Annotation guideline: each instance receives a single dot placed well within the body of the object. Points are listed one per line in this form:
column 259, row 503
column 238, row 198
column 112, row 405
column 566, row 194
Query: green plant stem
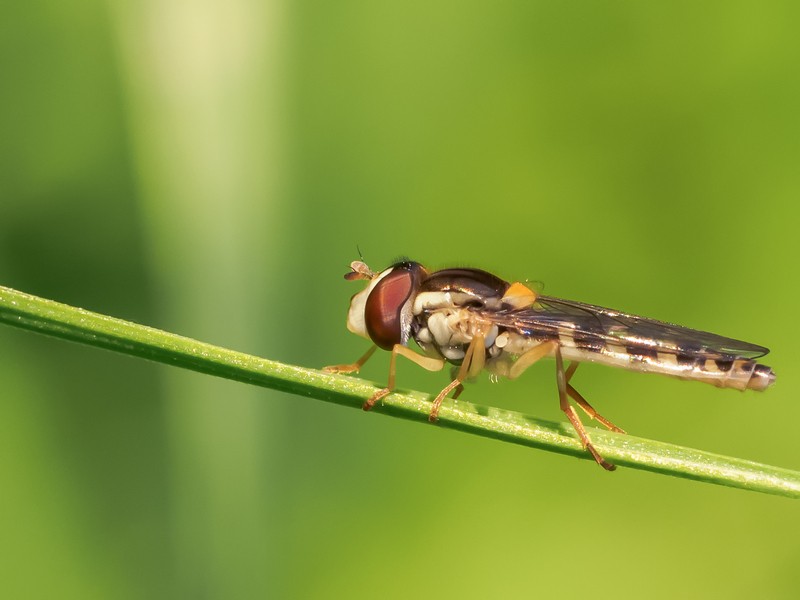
column 78, row 325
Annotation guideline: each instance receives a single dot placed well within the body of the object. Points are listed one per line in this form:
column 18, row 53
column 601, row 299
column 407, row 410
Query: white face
column 356, row 321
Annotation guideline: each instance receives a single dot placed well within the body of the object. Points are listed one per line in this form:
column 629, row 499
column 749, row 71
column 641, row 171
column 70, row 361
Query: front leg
column 426, row 362
column 352, row 367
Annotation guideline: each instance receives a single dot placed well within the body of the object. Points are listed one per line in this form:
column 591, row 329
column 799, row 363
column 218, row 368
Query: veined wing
column 595, row 326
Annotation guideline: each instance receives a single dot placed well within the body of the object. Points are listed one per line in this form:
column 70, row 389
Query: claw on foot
column 341, row 369
column 375, row 398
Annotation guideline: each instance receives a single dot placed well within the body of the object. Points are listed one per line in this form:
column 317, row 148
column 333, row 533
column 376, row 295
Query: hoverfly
column 475, row 320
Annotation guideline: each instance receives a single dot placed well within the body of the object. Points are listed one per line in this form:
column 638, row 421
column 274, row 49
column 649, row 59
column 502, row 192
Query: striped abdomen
column 734, row 372
column 731, row 372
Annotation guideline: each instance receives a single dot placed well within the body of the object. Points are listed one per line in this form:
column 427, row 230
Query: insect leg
column 530, row 357
column 352, row 367
column 426, row 362
column 581, row 401
column 573, row 366
column 460, row 386
column 561, row 379
column 474, row 359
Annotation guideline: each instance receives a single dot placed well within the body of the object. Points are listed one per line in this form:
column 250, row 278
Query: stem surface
column 78, row 325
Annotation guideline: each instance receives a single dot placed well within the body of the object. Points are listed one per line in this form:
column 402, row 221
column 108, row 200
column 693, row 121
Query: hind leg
column 569, row 410
column 581, row 401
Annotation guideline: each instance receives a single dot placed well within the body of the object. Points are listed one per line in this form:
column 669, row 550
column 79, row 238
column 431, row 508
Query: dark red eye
column 383, row 312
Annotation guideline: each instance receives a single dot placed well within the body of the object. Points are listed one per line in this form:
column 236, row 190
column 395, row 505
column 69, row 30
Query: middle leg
column 474, row 359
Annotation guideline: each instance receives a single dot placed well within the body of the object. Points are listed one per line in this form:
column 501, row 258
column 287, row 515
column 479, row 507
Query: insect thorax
column 443, row 326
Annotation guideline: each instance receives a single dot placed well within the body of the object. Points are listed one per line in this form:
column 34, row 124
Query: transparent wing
column 595, row 325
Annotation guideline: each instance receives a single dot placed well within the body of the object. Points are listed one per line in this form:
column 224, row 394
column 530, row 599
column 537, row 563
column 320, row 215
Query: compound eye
column 383, row 312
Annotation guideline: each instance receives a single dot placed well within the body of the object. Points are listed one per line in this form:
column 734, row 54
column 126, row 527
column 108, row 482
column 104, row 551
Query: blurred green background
column 209, row 168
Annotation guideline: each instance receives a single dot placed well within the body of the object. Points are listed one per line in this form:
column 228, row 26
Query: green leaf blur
column 209, row 168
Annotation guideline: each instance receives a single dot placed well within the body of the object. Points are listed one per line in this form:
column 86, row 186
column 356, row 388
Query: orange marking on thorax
column 519, row 295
